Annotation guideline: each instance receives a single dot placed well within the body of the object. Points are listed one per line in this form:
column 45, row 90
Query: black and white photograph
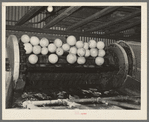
column 77, row 58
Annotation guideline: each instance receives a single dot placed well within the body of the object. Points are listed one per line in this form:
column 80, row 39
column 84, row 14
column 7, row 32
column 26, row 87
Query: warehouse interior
column 113, row 85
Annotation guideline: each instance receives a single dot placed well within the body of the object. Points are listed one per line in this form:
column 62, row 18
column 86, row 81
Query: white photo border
column 71, row 114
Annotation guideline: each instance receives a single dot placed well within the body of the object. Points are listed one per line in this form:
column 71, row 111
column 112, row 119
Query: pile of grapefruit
column 77, row 51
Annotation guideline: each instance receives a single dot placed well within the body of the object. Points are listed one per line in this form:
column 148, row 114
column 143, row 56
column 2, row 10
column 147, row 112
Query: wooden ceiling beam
column 61, row 16
column 50, row 31
column 124, row 27
column 63, row 33
column 130, row 9
column 31, row 13
column 119, row 20
column 97, row 15
column 124, row 8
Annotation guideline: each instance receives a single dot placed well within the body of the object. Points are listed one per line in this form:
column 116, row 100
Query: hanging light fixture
column 50, row 8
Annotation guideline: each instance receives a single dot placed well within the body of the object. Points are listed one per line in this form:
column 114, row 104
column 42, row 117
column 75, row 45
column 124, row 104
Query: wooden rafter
column 130, row 9
column 99, row 14
column 124, row 27
column 124, row 8
column 31, row 13
column 61, row 16
column 137, row 13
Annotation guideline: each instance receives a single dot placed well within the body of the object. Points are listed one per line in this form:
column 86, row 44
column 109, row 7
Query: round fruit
column 25, row 38
column 79, row 44
column 71, row 40
column 59, row 51
column 101, row 53
column 28, row 48
column 81, row 52
column 66, row 47
column 93, row 52
column 100, row 45
column 99, row 61
column 71, row 58
column 53, row 58
column 44, row 42
column 34, row 40
column 87, row 54
column 36, row 49
column 81, row 60
column 33, row 59
column 44, row 51
column 58, row 42
column 92, row 44
column 52, row 48
column 86, row 46
column 73, row 50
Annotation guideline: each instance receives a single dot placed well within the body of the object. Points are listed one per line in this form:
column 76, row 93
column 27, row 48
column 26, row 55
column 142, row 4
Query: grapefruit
column 81, row 60
column 53, row 58
column 34, row 40
column 25, row 38
column 87, row 53
column 93, row 52
column 66, row 47
column 73, row 50
column 79, row 44
column 100, row 45
column 36, row 49
column 59, row 51
column 28, row 48
column 33, row 59
column 71, row 58
column 44, row 42
column 58, row 42
column 99, row 61
column 44, row 51
column 81, row 52
column 52, row 48
column 101, row 53
column 92, row 44
column 71, row 40
column 86, row 46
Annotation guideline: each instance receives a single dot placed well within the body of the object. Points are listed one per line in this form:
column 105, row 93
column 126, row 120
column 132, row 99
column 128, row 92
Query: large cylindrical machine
column 119, row 62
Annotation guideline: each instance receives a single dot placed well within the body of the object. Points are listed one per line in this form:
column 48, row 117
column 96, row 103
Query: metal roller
column 110, row 75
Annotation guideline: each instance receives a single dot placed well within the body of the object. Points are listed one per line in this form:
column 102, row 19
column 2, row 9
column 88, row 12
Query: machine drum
column 43, row 74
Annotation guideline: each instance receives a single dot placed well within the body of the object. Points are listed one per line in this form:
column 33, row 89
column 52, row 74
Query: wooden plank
column 61, row 16
column 99, row 14
column 124, row 27
column 31, row 13
column 137, row 13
